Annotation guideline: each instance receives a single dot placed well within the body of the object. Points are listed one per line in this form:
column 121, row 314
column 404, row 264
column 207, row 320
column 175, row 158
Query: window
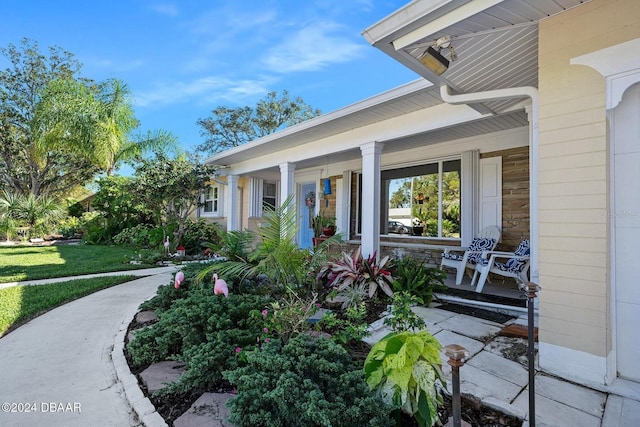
column 262, row 194
column 269, row 194
column 211, row 200
column 425, row 199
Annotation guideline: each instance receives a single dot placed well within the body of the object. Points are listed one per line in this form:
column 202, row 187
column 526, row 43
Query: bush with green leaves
column 136, row 236
column 308, row 382
column 166, row 295
column 200, row 234
column 415, row 277
column 404, row 369
column 194, row 320
column 401, row 317
column 350, row 328
column 69, row 227
column 289, row 315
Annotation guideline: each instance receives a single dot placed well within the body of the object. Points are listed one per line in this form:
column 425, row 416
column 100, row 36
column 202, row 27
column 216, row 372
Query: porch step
column 476, row 296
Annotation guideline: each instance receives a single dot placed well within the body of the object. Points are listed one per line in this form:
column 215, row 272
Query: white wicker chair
column 516, row 264
column 463, row 258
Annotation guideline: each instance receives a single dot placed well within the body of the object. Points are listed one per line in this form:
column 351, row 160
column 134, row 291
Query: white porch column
column 370, row 215
column 233, row 222
column 287, row 175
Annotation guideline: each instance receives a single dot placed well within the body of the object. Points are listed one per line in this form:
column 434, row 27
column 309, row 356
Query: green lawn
column 44, row 262
column 19, row 304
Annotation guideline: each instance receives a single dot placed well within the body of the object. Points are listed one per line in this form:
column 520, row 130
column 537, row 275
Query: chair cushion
column 479, row 244
column 502, row 266
column 449, row 255
column 523, row 249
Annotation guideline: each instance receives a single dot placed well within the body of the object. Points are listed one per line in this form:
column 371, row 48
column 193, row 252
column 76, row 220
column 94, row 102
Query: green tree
column 231, row 127
column 28, row 164
column 119, row 204
column 171, row 187
column 57, row 129
column 112, row 142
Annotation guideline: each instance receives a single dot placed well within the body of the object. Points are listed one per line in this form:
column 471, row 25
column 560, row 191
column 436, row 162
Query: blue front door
column 307, row 212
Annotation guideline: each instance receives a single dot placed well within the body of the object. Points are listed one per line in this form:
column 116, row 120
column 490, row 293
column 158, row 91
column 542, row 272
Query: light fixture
column 434, row 61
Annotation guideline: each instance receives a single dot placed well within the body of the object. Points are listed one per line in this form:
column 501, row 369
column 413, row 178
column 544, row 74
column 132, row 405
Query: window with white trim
column 269, row 194
column 426, row 195
column 263, row 193
column 211, row 200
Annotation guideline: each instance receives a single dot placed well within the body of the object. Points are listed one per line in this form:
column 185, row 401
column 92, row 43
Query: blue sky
column 181, row 59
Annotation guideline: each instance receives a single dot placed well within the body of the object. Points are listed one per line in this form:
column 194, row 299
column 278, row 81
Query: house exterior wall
column 515, row 195
column 511, row 145
column 575, row 325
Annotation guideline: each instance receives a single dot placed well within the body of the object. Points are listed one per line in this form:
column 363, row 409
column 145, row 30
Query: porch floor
column 498, row 291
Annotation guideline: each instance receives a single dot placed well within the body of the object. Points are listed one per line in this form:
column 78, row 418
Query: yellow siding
column 574, row 249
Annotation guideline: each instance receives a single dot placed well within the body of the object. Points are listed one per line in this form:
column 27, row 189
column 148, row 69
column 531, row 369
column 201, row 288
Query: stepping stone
column 146, row 316
column 208, row 411
column 500, row 367
column 472, row 327
column 158, row 375
column 318, row 315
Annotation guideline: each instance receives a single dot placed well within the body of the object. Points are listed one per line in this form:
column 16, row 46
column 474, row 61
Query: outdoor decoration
column 310, row 200
column 220, row 286
column 178, row 280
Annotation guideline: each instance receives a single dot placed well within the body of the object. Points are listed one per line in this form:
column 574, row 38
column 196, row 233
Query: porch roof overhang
column 496, row 42
column 337, row 136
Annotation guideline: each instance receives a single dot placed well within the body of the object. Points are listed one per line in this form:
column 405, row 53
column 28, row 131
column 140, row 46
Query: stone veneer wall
column 515, row 195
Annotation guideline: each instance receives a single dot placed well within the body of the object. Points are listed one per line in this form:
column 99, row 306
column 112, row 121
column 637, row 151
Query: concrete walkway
column 67, row 368
column 57, row 370
column 141, row 272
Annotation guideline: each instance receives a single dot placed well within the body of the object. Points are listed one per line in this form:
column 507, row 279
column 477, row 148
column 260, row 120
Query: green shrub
column 69, row 227
column 418, row 279
column 199, row 234
column 194, row 320
column 308, row 382
column 402, row 318
column 351, row 328
column 404, row 368
column 136, row 236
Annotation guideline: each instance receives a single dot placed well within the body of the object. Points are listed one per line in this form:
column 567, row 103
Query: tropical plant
column 9, row 208
column 45, row 121
column 38, row 214
column 354, row 270
column 415, row 277
column 307, row 382
column 276, row 256
column 404, row 369
column 351, row 328
column 289, row 316
column 171, row 188
column 401, row 317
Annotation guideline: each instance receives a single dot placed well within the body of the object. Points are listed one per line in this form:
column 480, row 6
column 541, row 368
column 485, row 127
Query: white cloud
column 168, row 9
column 208, row 91
column 312, row 48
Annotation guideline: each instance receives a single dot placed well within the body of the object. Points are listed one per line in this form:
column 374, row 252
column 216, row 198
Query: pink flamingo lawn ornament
column 166, row 246
column 179, row 279
column 220, row 286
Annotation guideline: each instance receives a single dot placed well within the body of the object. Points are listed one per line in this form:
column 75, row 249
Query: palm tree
column 277, row 256
column 112, row 143
column 9, row 208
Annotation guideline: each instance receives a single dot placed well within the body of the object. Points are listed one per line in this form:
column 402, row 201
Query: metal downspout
column 515, row 92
